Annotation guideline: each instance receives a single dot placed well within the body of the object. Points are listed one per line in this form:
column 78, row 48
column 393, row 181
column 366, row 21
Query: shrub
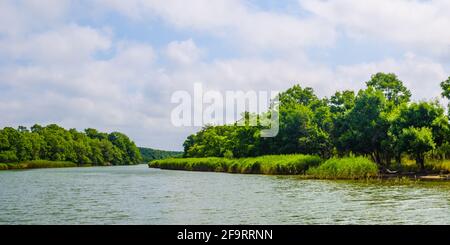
column 3, row 166
column 345, row 168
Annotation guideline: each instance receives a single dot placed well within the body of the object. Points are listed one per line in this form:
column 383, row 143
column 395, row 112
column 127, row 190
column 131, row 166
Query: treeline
column 149, row 154
column 379, row 122
column 55, row 143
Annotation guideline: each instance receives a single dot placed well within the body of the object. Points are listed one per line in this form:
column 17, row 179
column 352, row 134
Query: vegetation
column 378, row 122
column 149, row 154
column 55, row 146
column 275, row 164
column 445, row 85
column 345, row 168
column 37, row 164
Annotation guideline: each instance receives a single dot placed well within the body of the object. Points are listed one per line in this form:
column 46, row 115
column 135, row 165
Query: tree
column 417, row 141
column 372, row 123
column 7, row 150
column 445, row 85
column 94, row 134
column 131, row 154
column 342, row 101
column 424, row 114
column 364, row 127
column 55, row 143
column 392, row 88
column 244, row 141
column 297, row 95
column 188, row 144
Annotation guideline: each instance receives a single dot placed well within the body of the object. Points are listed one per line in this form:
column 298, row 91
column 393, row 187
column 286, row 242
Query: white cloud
column 18, row 17
column 56, row 70
column 251, row 29
column 183, row 52
column 70, row 43
column 411, row 23
column 421, row 75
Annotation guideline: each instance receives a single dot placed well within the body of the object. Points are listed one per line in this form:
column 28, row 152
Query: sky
column 113, row 64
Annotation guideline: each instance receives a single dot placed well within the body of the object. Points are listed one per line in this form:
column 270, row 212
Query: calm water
column 139, row 195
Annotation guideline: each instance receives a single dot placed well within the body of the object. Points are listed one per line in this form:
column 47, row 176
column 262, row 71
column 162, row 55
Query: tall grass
column 3, row 166
column 440, row 166
column 446, row 165
column 273, row 164
column 345, row 168
column 37, row 164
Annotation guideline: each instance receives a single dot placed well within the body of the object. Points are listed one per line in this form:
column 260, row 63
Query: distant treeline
column 55, row 143
column 149, row 154
column 379, row 122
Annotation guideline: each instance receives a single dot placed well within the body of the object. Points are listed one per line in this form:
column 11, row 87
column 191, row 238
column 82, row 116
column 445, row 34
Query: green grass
column 273, row 164
column 438, row 165
column 445, row 165
column 3, row 166
column 37, row 164
column 345, row 168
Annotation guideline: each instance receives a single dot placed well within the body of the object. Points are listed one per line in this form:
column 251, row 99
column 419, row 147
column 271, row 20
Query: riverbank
column 50, row 164
column 37, row 164
column 305, row 166
column 274, row 164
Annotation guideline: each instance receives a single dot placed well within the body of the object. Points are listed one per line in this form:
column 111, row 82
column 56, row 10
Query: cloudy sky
column 114, row 64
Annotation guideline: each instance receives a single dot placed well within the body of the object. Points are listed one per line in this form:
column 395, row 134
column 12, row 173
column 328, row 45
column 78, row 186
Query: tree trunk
column 378, row 159
column 421, row 162
column 398, row 160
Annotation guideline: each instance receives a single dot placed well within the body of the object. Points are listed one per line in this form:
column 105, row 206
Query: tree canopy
column 55, row 143
column 378, row 121
column 149, row 154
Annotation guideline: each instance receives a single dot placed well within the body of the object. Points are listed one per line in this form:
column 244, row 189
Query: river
column 139, row 195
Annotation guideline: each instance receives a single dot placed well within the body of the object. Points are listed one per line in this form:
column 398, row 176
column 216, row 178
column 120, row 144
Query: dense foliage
column 149, row 154
column 275, row 164
column 379, row 122
column 55, row 143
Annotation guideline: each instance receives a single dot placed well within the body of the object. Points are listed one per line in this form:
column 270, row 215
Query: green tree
column 130, row 152
column 298, row 95
column 7, row 149
column 94, row 134
column 372, row 123
column 53, row 142
column 392, row 88
column 424, row 114
column 417, row 141
column 342, row 101
column 445, row 85
column 365, row 127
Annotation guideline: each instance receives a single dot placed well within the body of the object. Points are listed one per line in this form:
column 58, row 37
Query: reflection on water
column 139, row 195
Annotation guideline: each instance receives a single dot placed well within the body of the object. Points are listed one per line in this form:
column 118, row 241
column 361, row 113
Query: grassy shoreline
column 307, row 166
column 304, row 166
column 345, row 168
column 37, row 164
column 272, row 164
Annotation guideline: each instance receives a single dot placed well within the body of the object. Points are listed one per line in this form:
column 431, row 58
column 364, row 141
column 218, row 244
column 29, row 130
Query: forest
column 56, row 144
column 149, row 154
column 379, row 122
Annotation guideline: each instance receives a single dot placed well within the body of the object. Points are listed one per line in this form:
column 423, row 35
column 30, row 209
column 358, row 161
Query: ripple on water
column 139, row 195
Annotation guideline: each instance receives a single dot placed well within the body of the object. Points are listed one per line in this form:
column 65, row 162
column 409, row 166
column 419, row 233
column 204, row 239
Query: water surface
column 139, row 195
